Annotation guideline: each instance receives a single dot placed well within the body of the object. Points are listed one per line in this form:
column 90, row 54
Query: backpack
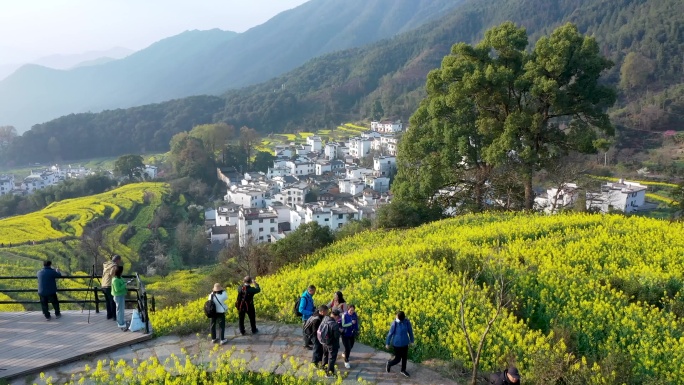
column 296, row 307
column 210, row 307
column 325, row 334
column 240, row 302
column 308, row 328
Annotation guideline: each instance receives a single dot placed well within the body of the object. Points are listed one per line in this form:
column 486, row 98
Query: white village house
column 556, row 199
column 623, row 196
column 6, row 184
column 387, row 127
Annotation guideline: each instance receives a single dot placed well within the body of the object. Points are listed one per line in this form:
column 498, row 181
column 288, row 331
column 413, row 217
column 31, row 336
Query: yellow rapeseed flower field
column 588, row 291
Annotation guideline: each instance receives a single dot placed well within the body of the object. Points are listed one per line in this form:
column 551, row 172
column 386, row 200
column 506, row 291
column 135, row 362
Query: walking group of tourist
column 323, row 326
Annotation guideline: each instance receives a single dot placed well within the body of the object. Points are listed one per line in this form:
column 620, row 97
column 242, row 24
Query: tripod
column 90, row 288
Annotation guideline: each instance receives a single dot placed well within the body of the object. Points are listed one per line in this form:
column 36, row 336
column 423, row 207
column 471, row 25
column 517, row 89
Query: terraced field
column 341, row 132
column 53, row 233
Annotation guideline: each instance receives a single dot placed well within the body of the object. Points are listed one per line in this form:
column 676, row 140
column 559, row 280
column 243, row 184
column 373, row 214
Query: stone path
column 274, row 345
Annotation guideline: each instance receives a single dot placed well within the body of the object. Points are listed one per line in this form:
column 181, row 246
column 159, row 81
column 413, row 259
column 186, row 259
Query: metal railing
column 141, row 300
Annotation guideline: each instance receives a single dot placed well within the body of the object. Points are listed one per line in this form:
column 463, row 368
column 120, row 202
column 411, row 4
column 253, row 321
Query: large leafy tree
column 131, row 166
column 190, row 158
column 213, row 136
column 262, row 161
column 496, row 104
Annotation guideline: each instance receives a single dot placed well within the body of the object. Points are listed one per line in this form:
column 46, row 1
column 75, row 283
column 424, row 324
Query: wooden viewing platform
column 30, row 344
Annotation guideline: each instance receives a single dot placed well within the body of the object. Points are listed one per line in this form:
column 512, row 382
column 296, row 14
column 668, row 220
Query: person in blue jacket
column 307, row 308
column 47, row 289
column 399, row 337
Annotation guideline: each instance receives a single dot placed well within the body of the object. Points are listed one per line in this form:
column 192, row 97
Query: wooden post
column 97, row 300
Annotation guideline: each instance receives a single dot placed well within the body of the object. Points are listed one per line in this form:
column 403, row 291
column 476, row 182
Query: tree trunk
column 529, row 192
column 476, row 364
column 478, row 197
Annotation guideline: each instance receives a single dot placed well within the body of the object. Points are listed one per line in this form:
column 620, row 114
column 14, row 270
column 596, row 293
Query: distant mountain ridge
column 64, row 62
column 69, row 61
column 209, row 62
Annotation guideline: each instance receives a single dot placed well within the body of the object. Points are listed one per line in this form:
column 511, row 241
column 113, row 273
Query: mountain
column 63, row 62
column 7, row 69
column 94, row 62
column 209, row 62
column 69, row 61
column 346, row 85
column 36, row 92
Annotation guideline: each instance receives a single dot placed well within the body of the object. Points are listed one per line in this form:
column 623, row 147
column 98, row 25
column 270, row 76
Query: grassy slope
column 595, row 280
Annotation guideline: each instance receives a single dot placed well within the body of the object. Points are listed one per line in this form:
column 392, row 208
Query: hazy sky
column 34, row 28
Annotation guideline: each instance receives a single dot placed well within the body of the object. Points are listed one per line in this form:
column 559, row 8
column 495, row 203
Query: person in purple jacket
column 399, row 337
column 350, row 330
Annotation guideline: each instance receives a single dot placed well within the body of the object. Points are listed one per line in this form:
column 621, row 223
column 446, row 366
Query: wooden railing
column 141, row 300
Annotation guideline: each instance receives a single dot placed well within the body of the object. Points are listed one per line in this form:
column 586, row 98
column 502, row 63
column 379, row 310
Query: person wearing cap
column 219, row 296
column 245, row 304
column 108, row 269
column 508, row 376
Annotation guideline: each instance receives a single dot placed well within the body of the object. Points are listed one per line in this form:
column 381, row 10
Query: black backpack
column 309, row 328
column 296, row 307
column 325, row 333
column 241, row 301
column 210, row 307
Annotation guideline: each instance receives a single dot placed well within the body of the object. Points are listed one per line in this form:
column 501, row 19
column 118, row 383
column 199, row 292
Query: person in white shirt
column 219, row 296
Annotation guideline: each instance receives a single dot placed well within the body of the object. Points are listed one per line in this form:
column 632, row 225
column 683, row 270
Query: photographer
column 108, row 270
column 245, row 304
column 47, row 289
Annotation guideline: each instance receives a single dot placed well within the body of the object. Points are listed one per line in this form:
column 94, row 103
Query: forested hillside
column 387, row 78
column 346, row 85
column 209, row 62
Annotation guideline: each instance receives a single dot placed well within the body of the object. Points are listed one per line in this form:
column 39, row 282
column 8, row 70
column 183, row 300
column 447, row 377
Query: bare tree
column 252, row 259
column 160, row 260
column 93, row 244
column 500, row 293
column 565, row 175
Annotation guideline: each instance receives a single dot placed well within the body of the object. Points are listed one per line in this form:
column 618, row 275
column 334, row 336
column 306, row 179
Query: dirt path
column 274, row 345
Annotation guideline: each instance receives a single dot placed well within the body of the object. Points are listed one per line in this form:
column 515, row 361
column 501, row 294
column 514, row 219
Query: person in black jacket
column 330, row 350
column 508, row 376
column 310, row 329
column 47, row 289
column 245, row 304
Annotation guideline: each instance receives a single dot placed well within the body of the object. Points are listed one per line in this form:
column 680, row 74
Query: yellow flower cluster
column 220, row 368
column 660, row 198
column 585, row 288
